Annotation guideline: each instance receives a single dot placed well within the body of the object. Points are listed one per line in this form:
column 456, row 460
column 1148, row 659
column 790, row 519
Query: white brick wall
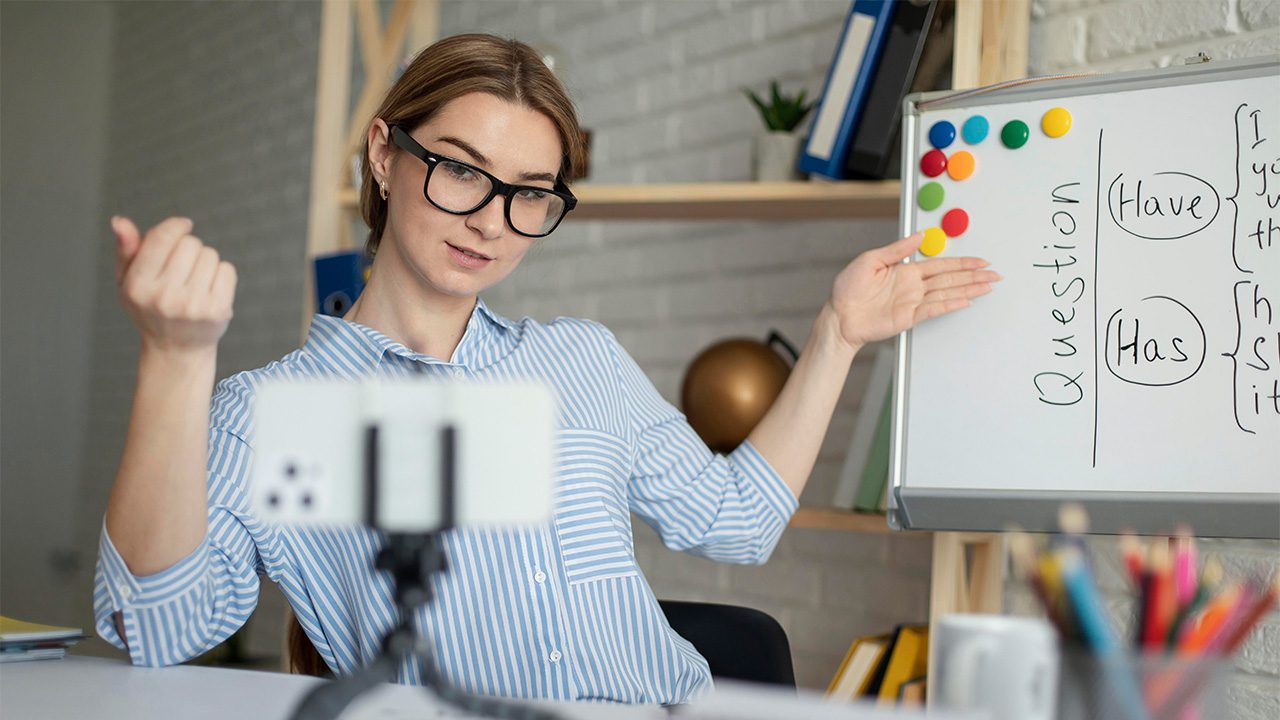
column 211, row 112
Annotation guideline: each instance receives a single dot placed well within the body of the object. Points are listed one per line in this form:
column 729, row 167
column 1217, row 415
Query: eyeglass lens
column 457, row 188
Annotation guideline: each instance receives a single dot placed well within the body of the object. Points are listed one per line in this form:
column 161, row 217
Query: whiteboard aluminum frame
column 1228, row 515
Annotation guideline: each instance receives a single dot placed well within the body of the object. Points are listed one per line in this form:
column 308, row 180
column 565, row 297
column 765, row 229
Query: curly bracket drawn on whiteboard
column 1255, row 375
column 1256, row 228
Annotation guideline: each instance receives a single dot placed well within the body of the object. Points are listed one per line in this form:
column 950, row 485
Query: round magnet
column 975, row 129
column 960, row 165
column 942, row 134
column 935, row 241
column 1056, row 122
column 933, row 163
column 1015, row 134
column 955, row 222
column 930, row 196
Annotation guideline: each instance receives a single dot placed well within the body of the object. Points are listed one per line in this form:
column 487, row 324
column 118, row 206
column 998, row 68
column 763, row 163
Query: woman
column 560, row 612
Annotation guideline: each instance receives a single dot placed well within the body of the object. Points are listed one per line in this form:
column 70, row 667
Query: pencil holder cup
column 1141, row 687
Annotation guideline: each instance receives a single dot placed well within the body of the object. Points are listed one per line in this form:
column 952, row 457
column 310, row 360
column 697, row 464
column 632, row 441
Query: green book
column 875, row 473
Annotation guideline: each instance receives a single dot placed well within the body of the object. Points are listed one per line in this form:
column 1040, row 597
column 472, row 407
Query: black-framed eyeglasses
column 460, row 188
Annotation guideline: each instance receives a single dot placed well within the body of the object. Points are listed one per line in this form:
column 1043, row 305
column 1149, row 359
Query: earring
column 383, row 190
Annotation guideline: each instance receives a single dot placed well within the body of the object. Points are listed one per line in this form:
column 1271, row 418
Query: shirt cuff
column 774, row 490
column 129, row 591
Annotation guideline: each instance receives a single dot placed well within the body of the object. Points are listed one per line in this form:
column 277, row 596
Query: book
column 845, row 90
column 874, row 480
column 910, row 659
column 21, row 632
column 854, row 675
column 21, row 640
column 913, row 692
column 876, row 136
column 864, row 427
column 19, row 655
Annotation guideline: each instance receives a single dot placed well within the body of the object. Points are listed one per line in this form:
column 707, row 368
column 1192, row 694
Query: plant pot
column 776, row 156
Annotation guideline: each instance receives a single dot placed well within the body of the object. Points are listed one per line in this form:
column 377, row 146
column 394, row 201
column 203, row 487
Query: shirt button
column 539, row 577
column 459, row 373
column 555, row 656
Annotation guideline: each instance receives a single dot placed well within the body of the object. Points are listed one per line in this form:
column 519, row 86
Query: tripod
column 412, row 559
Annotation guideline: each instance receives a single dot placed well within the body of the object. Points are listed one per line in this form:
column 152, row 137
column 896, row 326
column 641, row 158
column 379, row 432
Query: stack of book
column 21, row 640
column 889, row 668
column 887, row 49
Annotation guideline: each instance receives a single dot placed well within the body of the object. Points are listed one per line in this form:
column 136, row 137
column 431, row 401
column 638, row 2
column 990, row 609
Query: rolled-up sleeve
column 191, row 606
column 731, row 508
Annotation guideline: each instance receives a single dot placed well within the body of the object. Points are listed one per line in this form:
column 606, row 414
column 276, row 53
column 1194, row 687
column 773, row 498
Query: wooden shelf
column 818, row 518
column 729, row 200
column 738, row 200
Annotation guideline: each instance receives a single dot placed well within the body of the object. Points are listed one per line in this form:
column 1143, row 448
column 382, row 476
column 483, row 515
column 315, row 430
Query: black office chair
column 739, row 643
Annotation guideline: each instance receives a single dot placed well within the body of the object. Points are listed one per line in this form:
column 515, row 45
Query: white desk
column 87, row 687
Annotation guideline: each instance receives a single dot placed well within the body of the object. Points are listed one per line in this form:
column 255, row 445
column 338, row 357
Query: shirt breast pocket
column 593, row 525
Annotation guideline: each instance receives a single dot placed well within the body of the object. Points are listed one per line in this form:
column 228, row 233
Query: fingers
column 937, row 266
column 966, row 292
column 127, row 242
column 157, row 246
column 224, row 286
column 203, row 269
column 896, row 252
column 960, row 278
column 182, row 259
column 929, row 310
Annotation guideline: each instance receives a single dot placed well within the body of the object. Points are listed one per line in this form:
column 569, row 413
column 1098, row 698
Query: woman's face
column 424, row 244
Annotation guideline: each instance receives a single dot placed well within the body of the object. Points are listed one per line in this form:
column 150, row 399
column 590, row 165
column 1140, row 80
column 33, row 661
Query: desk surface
column 112, row 689
column 88, row 687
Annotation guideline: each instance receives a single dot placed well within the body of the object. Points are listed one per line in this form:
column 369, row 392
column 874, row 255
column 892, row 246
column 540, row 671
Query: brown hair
column 303, row 656
column 462, row 64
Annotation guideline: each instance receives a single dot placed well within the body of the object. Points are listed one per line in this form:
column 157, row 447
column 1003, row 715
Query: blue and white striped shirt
column 561, row 611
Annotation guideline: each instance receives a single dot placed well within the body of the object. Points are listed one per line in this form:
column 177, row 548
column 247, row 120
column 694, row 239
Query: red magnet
column 933, row 163
column 955, row 222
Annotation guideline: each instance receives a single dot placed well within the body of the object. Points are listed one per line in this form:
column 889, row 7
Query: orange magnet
column 960, row 165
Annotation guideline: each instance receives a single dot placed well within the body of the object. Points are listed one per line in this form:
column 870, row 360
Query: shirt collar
column 354, row 349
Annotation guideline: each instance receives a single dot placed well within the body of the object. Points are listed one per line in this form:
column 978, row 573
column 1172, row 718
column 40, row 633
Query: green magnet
column 1015, row 134
column 930, row 196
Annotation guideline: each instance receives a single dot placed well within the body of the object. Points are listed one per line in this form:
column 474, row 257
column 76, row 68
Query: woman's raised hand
column 177, row 290
column 877, row 296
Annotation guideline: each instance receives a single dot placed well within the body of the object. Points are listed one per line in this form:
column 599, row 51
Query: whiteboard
column 1130, row 358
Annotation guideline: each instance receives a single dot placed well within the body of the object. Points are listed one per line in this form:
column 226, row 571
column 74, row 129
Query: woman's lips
column 468, row 261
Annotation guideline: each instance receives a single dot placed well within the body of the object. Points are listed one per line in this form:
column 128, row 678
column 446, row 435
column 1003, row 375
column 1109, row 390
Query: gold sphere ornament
column 730, row 386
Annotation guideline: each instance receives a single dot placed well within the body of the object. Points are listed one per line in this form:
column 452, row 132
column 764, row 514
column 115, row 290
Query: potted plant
column 777, row 150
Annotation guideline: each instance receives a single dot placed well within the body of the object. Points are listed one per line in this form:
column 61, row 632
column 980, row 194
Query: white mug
column 1005, row 666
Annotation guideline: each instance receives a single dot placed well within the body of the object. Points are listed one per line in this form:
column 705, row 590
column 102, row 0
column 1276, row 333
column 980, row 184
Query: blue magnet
column 975, row 129
column 942, row 134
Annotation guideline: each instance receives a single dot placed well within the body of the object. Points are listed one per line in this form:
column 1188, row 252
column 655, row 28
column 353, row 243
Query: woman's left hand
column 878, row 296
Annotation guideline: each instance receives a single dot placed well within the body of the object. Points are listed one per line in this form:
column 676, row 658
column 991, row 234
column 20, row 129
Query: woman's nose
column 490, row 220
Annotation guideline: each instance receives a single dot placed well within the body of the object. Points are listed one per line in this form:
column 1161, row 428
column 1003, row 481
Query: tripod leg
column 327, row 700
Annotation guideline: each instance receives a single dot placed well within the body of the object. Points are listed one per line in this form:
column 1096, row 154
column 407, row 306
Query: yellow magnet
column 935, row 241
column 960, row 165
column 1056, row 122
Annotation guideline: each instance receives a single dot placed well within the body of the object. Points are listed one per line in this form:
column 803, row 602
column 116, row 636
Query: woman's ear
column 381, row 151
